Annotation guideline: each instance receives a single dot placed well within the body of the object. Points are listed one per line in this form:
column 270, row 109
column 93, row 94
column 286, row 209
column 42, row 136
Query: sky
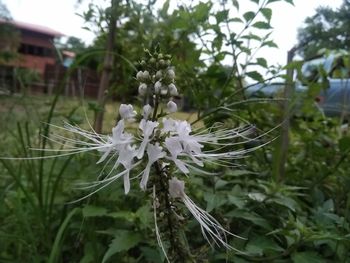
column 61, row 15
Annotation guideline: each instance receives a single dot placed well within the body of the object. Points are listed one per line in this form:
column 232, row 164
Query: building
column 32, row 51
column 36, row 46
column 36, row 64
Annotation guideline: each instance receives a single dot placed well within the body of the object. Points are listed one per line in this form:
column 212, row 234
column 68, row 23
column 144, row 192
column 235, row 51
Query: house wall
column 36, row 51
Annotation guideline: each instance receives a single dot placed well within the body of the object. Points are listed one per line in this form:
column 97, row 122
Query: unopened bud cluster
column 158, row 78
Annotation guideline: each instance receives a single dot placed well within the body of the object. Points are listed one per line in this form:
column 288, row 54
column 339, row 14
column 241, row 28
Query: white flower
column 126, row 157
column 115, row 142
column 127, row 112
column 147, row 127
column 171, row 106
column 175, row 148
column 210, row 227
column 154, row 152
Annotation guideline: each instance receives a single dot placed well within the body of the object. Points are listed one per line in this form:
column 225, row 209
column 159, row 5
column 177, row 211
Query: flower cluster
column 160, row 142
column 170, row 141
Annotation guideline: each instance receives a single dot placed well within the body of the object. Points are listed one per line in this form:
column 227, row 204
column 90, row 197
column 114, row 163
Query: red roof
column 35, row 28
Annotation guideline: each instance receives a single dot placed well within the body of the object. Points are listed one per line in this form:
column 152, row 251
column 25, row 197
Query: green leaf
column 240, row 172
column 262, row 62
column 214, row 201
column 236, row 200
column 235, row 3
column 221, row 16
column 145, row 216
column 290, row 2
column 151, row 255
column 255, row 1
column 267, row 13
column 252, row 36
column 285, row 201
column 248, row 16
column 252, row 217
column 57, row 245
column 91, row 211
column 236, row 19
column 164, row 11
column 201, row 12
column 270, row 44
column 344, row 144
column 262, row 245
column 307, row 257
column 255, row 76
column 123, row 241
column 262, row 25
column 220, row 183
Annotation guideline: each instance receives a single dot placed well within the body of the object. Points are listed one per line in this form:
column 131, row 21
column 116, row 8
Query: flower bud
column 171, row 106
column 162, row 63
column 152, row 60
column 164, row 90
column 176, row 188
column 171, row 74
column 139, row 76
column 147, row 110
column 127, row 111
column 157, row 87
column 173, row 90
column 159, row 74
column 146, row 75
column 142, row 89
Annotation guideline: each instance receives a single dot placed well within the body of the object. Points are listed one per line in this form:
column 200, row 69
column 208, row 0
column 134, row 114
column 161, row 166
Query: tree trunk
column 107, row 69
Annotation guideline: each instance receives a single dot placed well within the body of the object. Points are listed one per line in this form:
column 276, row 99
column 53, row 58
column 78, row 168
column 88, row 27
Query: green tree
column 9, row 36
column 327, row 29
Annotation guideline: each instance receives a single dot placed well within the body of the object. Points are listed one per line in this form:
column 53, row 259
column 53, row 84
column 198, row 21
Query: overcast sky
column 61, row 16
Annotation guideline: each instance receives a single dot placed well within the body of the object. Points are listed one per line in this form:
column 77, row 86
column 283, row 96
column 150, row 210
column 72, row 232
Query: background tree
column 327, row 29
column 9, row 36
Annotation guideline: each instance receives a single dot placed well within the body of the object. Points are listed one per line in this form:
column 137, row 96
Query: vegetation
column 327, row 29
column 301, row 217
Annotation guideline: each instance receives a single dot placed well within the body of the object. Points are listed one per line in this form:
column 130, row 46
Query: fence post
column 279, row 167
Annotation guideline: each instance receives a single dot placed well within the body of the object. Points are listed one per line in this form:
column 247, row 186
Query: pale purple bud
column 147, row 110
column 171, row 74
column 142, row 89
column 139, row 76
column 176, row 188
column 159, row 74
column 171, row 106
column 157, row 87
column 173, row 90
column 164, row 90
column 146, row 75
column 127, row 111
